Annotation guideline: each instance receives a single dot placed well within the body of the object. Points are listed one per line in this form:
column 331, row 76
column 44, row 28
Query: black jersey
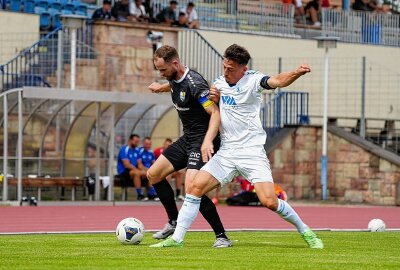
column 190, row 98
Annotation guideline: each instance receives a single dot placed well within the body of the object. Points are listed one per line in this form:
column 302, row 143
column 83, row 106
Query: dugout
column 62, row 133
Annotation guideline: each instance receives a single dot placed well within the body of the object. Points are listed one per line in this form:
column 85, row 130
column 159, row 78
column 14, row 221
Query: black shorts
column 127, row 181
column 125, row 178
column 183, row 154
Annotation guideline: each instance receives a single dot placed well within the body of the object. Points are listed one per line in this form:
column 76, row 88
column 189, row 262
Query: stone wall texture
column 122, row 59
column 354, row 174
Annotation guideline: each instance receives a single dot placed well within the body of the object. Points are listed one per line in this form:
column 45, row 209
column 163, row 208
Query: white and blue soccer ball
column 376, row 225
column 130, row 231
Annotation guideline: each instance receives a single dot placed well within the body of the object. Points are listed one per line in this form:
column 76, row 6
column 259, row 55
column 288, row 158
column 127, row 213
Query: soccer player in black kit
column 200, row 119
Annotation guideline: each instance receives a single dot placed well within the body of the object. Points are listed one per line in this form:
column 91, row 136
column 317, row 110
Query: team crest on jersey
column 182, row 96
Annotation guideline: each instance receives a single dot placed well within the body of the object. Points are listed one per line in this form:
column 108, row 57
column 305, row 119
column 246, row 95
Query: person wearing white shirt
column 191, row 15
column 137, row 10
column 242, row 151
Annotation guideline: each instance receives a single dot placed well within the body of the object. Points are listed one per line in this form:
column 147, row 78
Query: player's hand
column 207, row 150
column 155, row 87
column 303, row 69
column 214, row 94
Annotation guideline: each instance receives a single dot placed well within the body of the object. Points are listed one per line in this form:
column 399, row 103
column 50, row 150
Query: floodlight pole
column 324, row 158
column 326, row 43
column 111, row 154
column 19, row 148
column 5, row 148
column 73, row 23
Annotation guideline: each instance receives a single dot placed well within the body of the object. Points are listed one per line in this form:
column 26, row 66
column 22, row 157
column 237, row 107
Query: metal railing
column 37, row 65
column 240, row 15
column 278, row 19
column 362, row 27
column 199, row 55
column 28, row 68
column 384, row 133
column 285, row 109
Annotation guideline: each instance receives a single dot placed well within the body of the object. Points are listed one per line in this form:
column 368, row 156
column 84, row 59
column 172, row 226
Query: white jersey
column 240, row 111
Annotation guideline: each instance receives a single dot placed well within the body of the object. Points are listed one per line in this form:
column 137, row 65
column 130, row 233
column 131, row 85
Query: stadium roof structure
column 47, row 131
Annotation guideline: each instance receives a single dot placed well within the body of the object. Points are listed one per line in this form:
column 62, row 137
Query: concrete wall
column 382, row 82
column 17, row 31
column 354, row 174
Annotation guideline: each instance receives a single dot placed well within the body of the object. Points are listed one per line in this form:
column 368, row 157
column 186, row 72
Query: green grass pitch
column 252, row 250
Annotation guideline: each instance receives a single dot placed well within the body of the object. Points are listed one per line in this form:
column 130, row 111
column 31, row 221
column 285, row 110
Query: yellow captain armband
column 207, row 104
column 204, row 101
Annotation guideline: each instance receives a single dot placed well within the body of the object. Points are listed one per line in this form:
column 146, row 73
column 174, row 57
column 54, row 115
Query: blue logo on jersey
column 227, row 100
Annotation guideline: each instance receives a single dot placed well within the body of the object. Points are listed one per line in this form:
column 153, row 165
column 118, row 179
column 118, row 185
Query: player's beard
column 173, row 76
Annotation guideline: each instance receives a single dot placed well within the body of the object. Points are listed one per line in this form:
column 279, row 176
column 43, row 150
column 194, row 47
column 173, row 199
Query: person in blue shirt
column 146, row 158
column 127, row 165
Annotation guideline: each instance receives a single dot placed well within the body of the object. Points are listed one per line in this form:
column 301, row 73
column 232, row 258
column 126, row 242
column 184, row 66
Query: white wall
column 383, row 71
column 17, row 31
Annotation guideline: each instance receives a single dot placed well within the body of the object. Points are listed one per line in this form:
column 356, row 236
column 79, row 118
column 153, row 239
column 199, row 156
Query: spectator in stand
column 298, row 9
column 120, row 11
column 148, row 6
column 363, row 5
column 191, row 16
column 325, row 4
column 181, row 22
column 146, row 158
column 158, row 151
column 167, row 15
column 377, row 5
column 103, row 13
column 312, row 10
column 137, row 10
column 179, row 176
column 127, row 164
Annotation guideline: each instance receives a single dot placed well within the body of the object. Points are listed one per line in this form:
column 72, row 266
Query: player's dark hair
column 168, row 140
column 173, row 2
column 133, row 136
column 238, row 54
column 146, row 138
column 191, row 4
column 167, row 53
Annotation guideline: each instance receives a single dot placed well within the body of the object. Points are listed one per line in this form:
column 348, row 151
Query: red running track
column 105, row 218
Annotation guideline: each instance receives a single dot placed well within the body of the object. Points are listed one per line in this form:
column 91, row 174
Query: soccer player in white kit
column 242, row 145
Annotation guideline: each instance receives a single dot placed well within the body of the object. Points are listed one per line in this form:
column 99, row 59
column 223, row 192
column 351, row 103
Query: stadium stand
column 29, row 6
column 15, row 5
column 54, row 8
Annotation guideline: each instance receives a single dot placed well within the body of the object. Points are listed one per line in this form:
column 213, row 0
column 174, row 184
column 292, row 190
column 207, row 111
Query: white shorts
column 251, row 162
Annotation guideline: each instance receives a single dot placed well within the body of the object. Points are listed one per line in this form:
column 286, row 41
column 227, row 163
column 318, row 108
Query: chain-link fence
column 382, row 95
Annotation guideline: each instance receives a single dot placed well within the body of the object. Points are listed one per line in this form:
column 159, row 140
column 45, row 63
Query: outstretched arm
column 207, row 148
column 159, row 88
column 287, row 78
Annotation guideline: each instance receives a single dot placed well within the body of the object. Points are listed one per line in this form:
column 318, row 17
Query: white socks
column 187, row 214
column 288, row 214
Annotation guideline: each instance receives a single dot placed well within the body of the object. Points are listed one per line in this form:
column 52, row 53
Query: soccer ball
column 130, row 231
column 376, row 225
